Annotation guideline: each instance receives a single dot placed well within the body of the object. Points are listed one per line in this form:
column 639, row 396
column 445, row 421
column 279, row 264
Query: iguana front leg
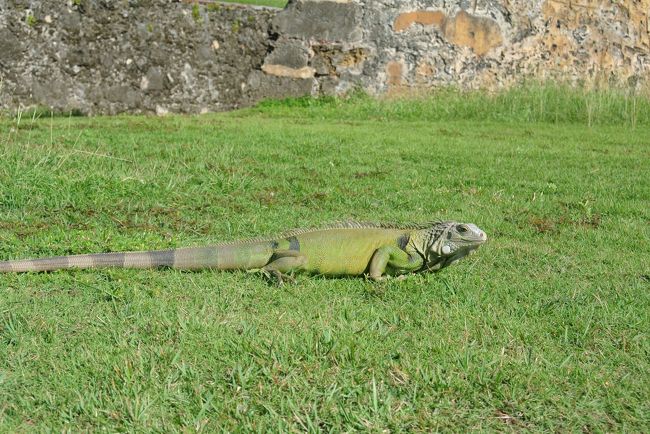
column 393, row 257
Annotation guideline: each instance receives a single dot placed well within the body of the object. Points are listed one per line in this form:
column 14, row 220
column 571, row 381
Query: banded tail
column 220, row 257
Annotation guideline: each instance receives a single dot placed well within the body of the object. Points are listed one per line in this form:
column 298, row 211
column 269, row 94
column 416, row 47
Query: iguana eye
column 462, row 229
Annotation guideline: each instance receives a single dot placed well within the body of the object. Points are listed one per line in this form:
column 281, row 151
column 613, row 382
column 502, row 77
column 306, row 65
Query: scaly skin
column 342, row 249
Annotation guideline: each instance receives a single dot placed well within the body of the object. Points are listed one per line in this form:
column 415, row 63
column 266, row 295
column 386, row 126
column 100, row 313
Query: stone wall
column 397, row 45
column 110, row 56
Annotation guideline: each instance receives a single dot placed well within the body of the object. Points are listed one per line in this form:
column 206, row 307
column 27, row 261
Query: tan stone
column 395, row 71
column 426, row 18
column 285, row 71
column 478, row 33
column 423, row 72
column 612, row 44
column 353, row 58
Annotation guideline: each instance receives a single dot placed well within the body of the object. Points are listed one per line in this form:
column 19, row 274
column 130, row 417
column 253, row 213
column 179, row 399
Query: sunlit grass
column 546, row 328
column 532, row 103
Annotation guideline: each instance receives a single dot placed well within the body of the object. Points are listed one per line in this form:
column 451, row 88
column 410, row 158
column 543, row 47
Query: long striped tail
column 220, row 257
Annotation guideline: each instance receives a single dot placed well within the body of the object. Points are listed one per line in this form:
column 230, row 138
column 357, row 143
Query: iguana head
column 446, row 242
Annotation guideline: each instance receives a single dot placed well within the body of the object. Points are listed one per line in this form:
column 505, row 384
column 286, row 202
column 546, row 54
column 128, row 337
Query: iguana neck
column 427, row 243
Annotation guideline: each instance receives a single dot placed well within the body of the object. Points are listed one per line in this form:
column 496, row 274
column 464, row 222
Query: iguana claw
column 387, row 277
column 274, row 276
column 281, row 278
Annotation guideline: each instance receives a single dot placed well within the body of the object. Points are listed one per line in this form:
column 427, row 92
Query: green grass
column 529, row 103
column 545, row 328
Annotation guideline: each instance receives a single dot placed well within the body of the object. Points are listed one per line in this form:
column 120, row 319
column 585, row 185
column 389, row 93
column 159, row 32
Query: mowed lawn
column 545, row 328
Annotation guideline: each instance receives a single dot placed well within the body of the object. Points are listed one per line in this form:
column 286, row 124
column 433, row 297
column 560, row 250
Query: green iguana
column 350, row 248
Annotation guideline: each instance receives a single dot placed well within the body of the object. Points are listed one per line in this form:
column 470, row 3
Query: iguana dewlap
column 350, row 248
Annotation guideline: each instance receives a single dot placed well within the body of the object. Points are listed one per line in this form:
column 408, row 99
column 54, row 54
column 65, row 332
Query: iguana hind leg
column 284, row 262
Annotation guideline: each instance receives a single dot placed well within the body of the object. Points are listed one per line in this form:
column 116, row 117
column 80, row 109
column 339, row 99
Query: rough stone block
column 351, row 61
column 334, row 59
column 481, row 34
column 329, row 85
column 425, row 18
column 153, row 81
column 290, row 53
column 478, row 33
column 322, row 64
column 261, row 85
column 424, row 71
column 395, row 70
column 285, row 71
column 10, row 45
column 321, row 21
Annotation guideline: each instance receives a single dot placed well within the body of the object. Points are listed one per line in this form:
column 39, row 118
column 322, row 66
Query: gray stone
column 70, row 22
column 10, row 45
column 112, row 56
column 329, row 85
column 122, row 94
column 322, row 64
column 320, row 21
column 268, row 86
column 49, row 93
column 289, row 53
column 153, row 81
column 205, row 54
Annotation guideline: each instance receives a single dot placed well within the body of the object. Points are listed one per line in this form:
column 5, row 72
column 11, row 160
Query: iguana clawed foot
column 274, row 276
column 279, row 277
column 387, row 277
